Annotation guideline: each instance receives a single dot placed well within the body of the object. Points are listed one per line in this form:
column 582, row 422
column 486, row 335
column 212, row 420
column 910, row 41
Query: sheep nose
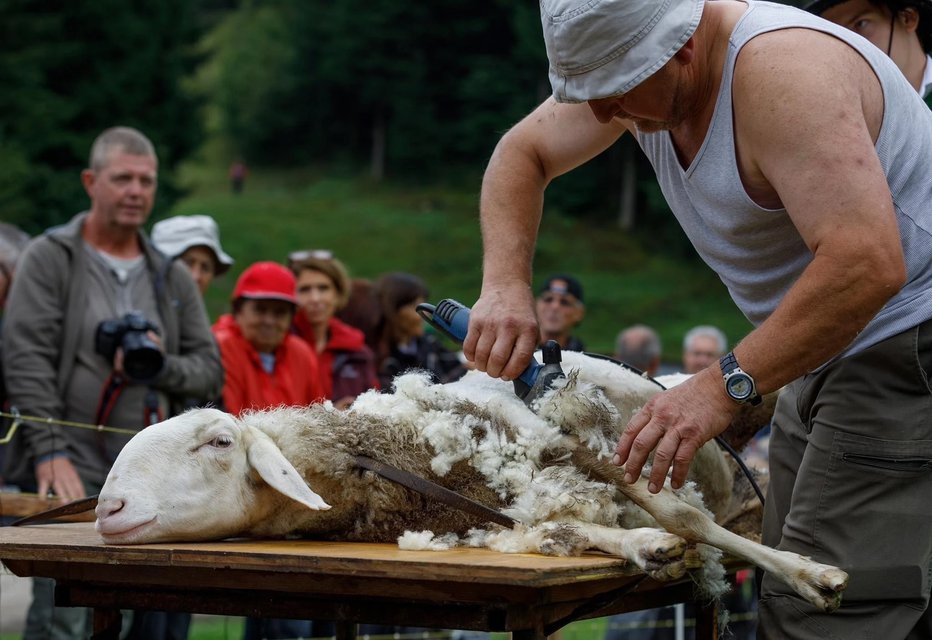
column 108, row 506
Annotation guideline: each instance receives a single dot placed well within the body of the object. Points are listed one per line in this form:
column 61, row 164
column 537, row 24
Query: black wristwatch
column 739, row 385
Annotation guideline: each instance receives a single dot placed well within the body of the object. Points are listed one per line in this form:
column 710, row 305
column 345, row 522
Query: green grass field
column 433, row 231
column 232, row 629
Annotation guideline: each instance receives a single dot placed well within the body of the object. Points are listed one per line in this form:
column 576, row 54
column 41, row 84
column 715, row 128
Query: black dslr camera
column 142, row 358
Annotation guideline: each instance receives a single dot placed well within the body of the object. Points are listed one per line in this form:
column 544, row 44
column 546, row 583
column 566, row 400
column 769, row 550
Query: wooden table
column 530, row 595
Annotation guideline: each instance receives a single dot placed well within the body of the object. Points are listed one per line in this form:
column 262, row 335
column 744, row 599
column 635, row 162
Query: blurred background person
column 639, row 346
column 702, row 346
column 346, row 363
column 237, row 174
column 399, row 339
column 12, row 242
column 101, row 329
column 560, row 309
column 900, row 28
column 362, row 308
column 195, row 240
column 265, row 364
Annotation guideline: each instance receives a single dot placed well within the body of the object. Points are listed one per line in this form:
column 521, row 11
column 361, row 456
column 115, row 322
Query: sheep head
column 201, row 475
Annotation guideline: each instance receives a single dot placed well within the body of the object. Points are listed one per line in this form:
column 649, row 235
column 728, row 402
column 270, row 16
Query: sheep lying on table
column 206, row 475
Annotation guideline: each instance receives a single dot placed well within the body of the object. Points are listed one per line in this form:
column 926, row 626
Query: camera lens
column 142, row 358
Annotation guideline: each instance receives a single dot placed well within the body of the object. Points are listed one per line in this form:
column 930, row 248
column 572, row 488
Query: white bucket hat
column 603, row 48
column 173, row 236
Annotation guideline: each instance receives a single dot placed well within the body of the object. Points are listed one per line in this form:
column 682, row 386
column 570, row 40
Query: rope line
column 19, row 419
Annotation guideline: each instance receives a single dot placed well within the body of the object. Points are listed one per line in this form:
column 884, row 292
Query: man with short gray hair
column 101, row 329
column 795, row 155
column 703, row 346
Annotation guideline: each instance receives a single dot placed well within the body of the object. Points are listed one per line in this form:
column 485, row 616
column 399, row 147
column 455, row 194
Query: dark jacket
column 427, row 354
column 41, row 330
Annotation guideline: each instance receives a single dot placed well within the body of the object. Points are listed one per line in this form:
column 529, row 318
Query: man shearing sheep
column 796, row 157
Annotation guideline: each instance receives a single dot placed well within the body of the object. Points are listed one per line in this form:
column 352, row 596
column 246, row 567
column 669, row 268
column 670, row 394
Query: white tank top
column 757, row 252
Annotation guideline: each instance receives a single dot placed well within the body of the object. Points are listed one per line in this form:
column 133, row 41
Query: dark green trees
column 71, row 69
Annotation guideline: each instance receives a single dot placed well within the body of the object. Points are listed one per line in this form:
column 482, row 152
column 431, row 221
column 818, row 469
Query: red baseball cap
column 266, row 281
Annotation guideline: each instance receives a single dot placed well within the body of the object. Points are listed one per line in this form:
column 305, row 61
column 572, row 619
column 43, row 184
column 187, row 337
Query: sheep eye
column 221, row 442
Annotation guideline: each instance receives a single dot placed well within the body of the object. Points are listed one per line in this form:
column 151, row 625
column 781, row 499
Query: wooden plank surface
column 461, row 588
column 81, row 543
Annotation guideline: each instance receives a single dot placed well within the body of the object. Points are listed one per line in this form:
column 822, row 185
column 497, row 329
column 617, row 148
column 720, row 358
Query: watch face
column 740, row 386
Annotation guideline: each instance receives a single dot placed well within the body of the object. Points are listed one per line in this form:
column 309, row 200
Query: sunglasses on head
column 309, row 254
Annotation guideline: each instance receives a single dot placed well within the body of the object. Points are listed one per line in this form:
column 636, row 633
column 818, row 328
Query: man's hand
column 503, row 330
column 118, row 355
column 674, row 424
column 59, row 475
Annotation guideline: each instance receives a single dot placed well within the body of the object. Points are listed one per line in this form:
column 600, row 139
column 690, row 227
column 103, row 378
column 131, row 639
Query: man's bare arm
column 550, row 141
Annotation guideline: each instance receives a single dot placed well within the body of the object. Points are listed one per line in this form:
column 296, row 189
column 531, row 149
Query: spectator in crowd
column 399, row 340
column 79, row 289
column 12, row 242
column 265, row 364
column 237, row 174
column 560, row 309
column 362, row 308
column 639, row 346
column 703, row 346
column 195, row 240
column 900, row 28
column 346, row 363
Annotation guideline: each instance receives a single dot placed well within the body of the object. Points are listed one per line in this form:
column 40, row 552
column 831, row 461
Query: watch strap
column 728, row 364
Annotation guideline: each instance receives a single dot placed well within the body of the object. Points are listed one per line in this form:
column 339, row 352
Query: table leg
column 345, row 630
column 529, row 634
column 107, row 624
column 707, row 621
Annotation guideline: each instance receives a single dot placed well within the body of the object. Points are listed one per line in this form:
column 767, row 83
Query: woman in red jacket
column 265, row 365
column 347, row 365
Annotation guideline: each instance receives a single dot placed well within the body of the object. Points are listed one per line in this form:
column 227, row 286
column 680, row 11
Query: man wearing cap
column 266, row 365
column 195, row 240
column 900, row 28
column 795, row 155
column 560, row 309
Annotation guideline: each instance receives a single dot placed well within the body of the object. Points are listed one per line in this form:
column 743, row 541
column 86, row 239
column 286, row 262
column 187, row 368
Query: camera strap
column 108, row 397
column 153, row 413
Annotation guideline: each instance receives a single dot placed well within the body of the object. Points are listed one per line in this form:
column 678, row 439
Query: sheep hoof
column 823, row 585
column 692, row 558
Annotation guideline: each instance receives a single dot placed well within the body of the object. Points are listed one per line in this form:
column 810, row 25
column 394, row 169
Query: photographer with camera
column 100, row 328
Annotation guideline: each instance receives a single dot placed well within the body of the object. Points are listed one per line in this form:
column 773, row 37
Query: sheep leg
column 820, row 584
column 660, row 554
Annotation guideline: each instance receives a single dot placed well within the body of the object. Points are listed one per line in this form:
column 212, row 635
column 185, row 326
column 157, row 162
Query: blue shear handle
column 452, row 318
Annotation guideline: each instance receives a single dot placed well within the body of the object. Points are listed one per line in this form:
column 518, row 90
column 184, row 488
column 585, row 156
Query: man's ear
column 88, row 177
column 687, row 52
column 909, row 17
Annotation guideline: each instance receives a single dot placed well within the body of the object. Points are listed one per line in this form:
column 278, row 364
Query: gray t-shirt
column 115, row 287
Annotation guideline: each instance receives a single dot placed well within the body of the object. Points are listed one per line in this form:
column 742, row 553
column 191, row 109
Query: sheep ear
column 268, row 461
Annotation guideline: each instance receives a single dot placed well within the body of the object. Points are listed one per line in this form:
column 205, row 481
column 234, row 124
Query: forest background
column 366, row 125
